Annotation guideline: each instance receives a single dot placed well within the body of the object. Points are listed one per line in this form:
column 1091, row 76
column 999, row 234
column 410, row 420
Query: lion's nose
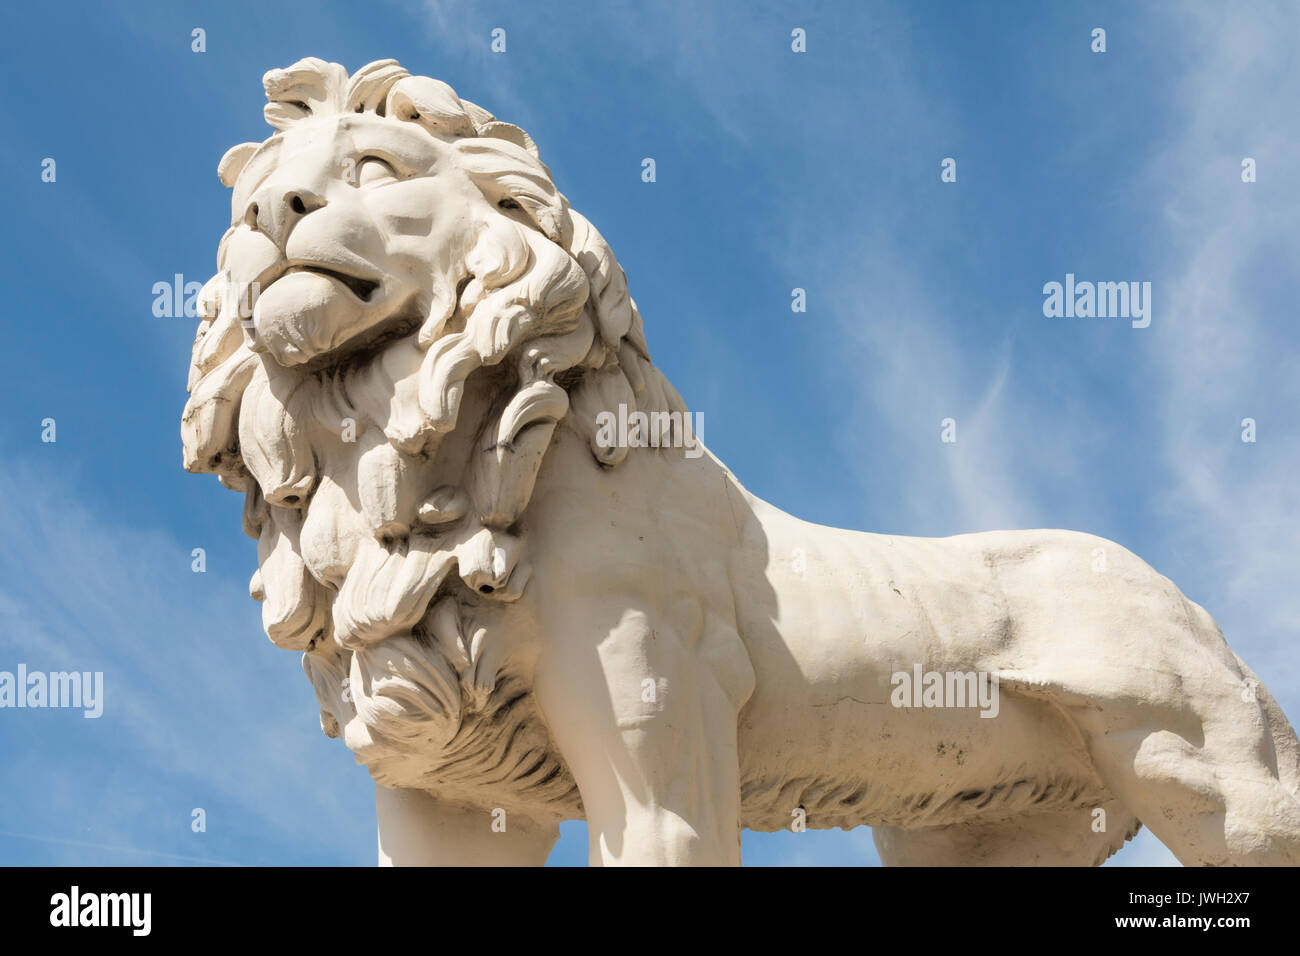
column 276, row 211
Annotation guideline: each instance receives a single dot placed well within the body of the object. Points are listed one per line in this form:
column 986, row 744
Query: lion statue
column 515, row 613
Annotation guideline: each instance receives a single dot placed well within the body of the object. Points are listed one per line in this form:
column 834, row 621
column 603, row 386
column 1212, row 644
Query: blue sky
column 775, row 170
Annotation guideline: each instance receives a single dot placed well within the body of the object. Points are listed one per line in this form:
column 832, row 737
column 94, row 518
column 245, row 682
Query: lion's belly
column 847, row 761
column 841, row 627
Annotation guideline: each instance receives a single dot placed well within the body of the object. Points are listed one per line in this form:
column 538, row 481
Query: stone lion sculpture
column 515, row 614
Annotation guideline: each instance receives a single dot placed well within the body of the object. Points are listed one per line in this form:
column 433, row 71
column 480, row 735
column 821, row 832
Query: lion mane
column 386, row 483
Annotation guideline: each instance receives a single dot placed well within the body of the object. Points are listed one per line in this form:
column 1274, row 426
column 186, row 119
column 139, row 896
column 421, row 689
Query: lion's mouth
column 363, row 289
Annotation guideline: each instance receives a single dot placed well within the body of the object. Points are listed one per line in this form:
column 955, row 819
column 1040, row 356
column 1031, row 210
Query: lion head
column 405, row 309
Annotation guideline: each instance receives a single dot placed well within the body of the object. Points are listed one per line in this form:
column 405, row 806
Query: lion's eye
column 373, row 171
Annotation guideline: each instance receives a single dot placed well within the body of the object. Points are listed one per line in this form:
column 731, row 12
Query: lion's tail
column 1285, row 743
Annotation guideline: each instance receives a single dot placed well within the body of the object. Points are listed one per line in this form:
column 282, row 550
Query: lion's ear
column 431, row 103
column 232, row 164
column 511, row 134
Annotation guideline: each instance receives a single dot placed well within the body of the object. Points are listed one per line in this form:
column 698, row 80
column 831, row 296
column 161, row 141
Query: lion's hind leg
column 1076, row 836
column 1210, row 796
column 1175, row 728
column 1204, row 757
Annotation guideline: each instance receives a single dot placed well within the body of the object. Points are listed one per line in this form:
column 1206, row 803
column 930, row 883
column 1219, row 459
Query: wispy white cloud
column 1227, row 337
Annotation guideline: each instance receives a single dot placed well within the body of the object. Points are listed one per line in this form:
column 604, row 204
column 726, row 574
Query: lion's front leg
column 417, row 830
column 643, row 706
